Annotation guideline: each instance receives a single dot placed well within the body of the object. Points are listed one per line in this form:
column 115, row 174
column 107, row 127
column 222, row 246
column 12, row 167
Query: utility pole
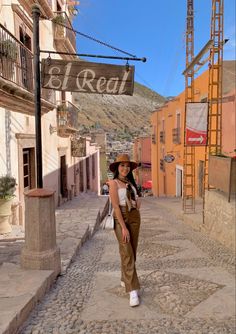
column 37, row 94
column 189, row 151
column 214, row 146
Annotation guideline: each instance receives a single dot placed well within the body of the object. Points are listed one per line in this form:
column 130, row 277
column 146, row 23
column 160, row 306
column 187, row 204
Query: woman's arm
column 113, row 191
column 138, row 201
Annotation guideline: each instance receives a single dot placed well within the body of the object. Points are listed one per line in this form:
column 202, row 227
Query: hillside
column 129, row 115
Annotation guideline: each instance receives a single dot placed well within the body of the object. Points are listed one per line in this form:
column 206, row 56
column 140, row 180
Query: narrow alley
column 187, row 284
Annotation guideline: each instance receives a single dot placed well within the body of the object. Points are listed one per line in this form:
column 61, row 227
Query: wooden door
column 63, row 177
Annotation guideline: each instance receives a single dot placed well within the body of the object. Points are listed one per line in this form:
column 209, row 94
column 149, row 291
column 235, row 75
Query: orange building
column 142, row 154
column 167, row 147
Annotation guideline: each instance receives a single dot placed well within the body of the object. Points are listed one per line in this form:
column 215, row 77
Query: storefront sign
column 169, row 158
column 78, row 147
column 87, row 77
column 196, row 124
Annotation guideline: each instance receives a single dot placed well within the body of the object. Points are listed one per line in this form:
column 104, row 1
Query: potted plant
column 59, row 21
column 8, row 56
column 8, row 49
column 7, row 189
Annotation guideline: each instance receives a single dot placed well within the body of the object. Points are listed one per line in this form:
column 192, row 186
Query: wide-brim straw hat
column 123, row 158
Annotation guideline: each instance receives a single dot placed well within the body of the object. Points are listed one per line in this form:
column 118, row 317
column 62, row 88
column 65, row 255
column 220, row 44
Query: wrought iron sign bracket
column 144, row 59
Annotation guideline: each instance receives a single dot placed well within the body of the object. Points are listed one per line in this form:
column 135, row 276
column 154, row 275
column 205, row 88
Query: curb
column 33, row 296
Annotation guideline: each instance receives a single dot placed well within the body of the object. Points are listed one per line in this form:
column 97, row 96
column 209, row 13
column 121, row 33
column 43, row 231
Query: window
column 28, row 168
column 25, row 60
column 178, row 120
column 154, row 134
column 163, row 124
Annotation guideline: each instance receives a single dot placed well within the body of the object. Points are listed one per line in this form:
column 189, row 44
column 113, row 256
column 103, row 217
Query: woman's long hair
column 129, row 176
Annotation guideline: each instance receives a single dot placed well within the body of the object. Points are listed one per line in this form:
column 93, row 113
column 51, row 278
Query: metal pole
column 144, row 59
column 37, row 94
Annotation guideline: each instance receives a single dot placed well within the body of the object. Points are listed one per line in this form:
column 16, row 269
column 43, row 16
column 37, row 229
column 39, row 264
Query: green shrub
column 7, row 187
column 59, row 19
column 8, row 49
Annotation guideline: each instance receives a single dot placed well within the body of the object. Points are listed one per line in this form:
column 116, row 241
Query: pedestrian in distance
column 125, row 200
column 105, row 189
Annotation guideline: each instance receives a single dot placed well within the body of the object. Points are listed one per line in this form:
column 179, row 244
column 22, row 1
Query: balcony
column 67, row 119
column 46, row 6
column 176, row 136
column 162, row 137
column 65, row 39
column 16, row 76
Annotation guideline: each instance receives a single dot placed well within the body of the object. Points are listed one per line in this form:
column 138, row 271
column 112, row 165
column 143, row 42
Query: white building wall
column 13, row 123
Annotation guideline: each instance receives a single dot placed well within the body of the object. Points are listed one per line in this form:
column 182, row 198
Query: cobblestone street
column 187, row 285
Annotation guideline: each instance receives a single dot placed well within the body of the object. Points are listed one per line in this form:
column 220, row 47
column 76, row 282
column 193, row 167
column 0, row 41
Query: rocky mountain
column 127, row 116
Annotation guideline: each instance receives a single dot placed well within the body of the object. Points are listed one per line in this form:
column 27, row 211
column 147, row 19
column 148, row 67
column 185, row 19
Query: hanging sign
column 78, row 147
column 169, row 158
column 87, row 77
column 196, row 123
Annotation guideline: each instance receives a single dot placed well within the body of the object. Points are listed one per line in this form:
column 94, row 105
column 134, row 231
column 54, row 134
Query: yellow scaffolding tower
column 189, row 151
column 215, row 86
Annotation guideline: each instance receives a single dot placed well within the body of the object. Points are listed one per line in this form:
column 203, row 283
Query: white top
column 122, row 196
column 122, row 193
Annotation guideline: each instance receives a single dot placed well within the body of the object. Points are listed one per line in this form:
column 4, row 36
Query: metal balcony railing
column 67, row 116
column 16, row 61
column 176, row 136
column 16, row 64
column 62, row 33
column 162, row 136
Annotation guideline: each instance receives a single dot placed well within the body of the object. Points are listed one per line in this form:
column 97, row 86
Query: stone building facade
column 64, row 172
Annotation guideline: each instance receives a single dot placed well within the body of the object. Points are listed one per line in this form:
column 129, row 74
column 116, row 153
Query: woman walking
column 124, row 198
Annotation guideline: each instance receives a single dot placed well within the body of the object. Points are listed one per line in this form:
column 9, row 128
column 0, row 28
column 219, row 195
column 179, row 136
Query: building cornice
column 24, row 136
column 16, row 9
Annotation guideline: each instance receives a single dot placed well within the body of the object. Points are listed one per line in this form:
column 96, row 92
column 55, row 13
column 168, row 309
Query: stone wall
column 220, row 217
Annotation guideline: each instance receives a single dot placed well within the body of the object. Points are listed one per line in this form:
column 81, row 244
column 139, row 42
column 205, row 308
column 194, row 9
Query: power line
column 94, row 39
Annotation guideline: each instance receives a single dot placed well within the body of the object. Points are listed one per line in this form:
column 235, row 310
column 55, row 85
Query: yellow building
column 168, row 136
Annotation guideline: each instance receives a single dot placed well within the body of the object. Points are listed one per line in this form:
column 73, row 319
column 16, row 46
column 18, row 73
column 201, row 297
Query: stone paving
column 20, row 290
column 76, row 221
column 187, row 281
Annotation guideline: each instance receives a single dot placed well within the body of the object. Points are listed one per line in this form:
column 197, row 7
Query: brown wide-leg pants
column 128, row 250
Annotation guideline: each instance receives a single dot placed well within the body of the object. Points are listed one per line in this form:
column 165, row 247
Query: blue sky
column 153, row 29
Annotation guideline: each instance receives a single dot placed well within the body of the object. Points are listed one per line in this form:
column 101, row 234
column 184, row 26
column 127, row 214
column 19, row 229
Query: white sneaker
column 134, row 300
column 122, row 283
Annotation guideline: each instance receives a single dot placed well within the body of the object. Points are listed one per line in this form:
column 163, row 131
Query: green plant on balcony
column 61, row 108
column 8, row 57
column 9, row 50
column 7, row 189
column 59, row 21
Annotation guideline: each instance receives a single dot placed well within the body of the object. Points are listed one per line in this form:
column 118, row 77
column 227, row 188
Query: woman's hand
column 125, row 235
